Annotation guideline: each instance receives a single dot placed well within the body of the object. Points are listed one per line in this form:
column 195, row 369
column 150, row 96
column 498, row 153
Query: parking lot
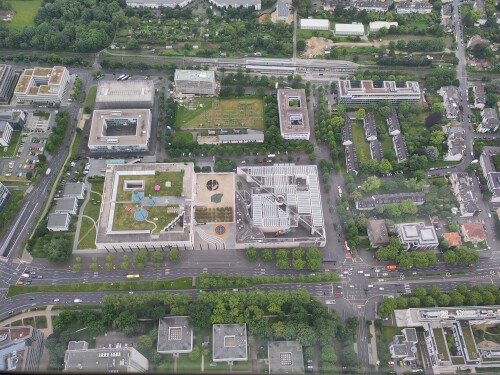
column 31, row 144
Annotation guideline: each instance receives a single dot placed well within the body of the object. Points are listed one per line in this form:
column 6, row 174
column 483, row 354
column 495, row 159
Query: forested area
column 66, row 25
column 272, row 315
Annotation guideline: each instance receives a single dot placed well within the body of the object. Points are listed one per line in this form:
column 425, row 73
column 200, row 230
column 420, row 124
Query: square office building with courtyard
column 42, row 85
column 285, row 357
column 124, row 130
column 294, row 118
column 197, row 82
column 125, row 94
column 174, row 335
column 229, row 342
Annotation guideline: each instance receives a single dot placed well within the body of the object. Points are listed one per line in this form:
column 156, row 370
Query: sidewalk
column 372, row 347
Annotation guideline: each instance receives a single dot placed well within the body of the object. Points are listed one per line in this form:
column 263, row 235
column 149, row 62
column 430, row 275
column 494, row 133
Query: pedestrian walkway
column 372, row 347
column 88, row 187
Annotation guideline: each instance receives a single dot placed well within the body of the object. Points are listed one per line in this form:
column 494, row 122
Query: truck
column 391, row 267
column 47, row 172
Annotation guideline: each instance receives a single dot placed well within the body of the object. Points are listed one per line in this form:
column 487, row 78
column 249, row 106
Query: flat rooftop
column 229, row 342
column 377, row 87
column 125, row 91
column 175, row 335
column 120, row 127
column 194, row 75
column 117, row 191
column 418, row 232
column 285, row 357
column 293, row 114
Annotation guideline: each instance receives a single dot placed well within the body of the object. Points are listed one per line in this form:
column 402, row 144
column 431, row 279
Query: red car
column 338, row 294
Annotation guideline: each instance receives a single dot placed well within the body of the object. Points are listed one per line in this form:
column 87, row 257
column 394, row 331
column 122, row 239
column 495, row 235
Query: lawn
column 25, row 12
column 124, row 220
column 184, row 364
column 177, row 284
column 41, row 322
column 362, row 147
column 442, row 347
column 470, row 343
column 10, row 209
column 92, row 208
column 159, row 178
column 227, row 113
column 90, row 99
column 11, row 149
column 87, row 234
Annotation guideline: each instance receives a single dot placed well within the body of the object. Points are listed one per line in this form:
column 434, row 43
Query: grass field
column 11, row 149
column 86, row 240
column 159, row 178
column 210, row 113
column 362, row 147
column 25, row 12
column 90, row 99
column 124, row 220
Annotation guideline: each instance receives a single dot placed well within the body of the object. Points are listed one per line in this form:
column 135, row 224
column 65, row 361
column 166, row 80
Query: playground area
column 215, row 113
column 131, row 216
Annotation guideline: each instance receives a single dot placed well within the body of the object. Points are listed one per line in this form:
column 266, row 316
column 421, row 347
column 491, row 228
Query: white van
column 380, row 288
column 370, row 286
column 77, row 300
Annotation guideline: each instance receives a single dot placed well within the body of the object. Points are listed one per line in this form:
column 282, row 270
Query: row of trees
column 478, row 295
column 59, row 130
column 310, row 258
column 422, row 45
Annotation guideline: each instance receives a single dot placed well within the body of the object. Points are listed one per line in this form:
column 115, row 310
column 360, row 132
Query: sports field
column 215, row 113
column 25, row 12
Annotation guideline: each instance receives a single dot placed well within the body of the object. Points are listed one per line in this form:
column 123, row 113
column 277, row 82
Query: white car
column 56, row 299
column 360, row 271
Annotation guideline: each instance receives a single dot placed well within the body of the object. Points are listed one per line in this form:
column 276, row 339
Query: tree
column 42, row 158
column 407, row 207
column 195, row 354
column 267, row 255
column 145, row 345
column 438, row 107
column 385, row 166
column 58, row 250
column 314, row 258
column 252, row 254
column 157, row 257
column 174, row 256
column 141, row 257
column 371, row 183
column 433, row 119
column 199, row 315
column 360, row 114
column 450, row 257
column 93, row 267
column 387, row 307
column 77, row 267
column 437, row 137
column 29, row 175
column 432, row 153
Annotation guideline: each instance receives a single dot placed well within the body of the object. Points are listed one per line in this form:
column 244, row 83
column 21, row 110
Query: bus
column 133, row 276
column 121, row 77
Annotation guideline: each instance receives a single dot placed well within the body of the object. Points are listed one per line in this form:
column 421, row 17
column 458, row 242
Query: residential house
column 464, row 192
column 456, row 143
column 453, row 239
column 450, row 100
column 473, row 232
column 490, row 121
column 377, row 233
column 479, row 95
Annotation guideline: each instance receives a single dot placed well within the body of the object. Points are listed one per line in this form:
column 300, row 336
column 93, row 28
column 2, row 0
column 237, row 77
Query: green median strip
column 211, row 282
column 121, row 286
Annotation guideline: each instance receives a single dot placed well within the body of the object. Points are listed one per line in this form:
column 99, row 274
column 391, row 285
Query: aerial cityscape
column 250, row 186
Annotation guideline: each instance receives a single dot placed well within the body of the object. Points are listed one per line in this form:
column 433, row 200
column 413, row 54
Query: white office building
column 314, row 24
column 5, row 133
column 237, row 3
column 42, row 85
column 417, row 236
column 349, row 29
column 155, row 4
column 293, row 114
column 120, row 130
column 365, row 92
column 198, row 82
